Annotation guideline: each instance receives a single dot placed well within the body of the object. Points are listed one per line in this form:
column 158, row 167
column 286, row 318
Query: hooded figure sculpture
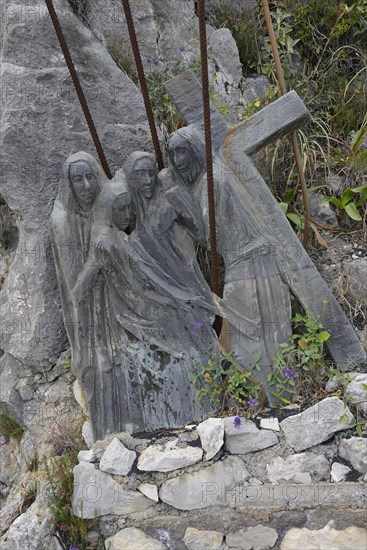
column 70, row 227
column 254, row 285
column 142, row 315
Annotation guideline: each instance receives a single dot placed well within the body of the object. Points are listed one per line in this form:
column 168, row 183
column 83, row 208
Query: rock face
column 357, row 390
column 203, row 540
column 41, row 123
column 130, row 538
column 355, row 451
column 224, row 52
column 300, row 468
column 168, row 457
column 316, row 424
column 96, row 494
column 214, row 486
column 247, row 438
column 257, row 538
column 328, row 537
column 32, row 530
column 117, row 459
column 211, row 434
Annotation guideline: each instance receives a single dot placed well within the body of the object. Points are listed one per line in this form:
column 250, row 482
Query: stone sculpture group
column 137, row 308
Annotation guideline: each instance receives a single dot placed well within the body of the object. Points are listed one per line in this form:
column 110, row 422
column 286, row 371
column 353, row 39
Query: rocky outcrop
column 41, row 123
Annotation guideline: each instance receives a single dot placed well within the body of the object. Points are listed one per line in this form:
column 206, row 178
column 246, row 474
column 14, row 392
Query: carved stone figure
column 70, row 227
column 253, row 283
column 275, row 256
column 141, row 314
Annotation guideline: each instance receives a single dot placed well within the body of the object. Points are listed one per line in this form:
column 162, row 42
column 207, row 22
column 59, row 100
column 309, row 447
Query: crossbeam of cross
column 235, row 147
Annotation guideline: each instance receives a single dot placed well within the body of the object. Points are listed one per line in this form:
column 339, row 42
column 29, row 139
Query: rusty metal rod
column 296, row 151
column 143, row 83
column 208, row 147
column 78, row 87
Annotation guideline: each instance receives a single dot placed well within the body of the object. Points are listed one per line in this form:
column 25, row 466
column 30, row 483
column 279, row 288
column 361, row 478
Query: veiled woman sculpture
column 153, row 309
column 70, row 227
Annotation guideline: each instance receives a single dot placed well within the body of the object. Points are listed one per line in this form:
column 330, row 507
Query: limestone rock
column 168, row 457
column 322, row 213
column 299, row 468
column 10, row 460
column 247, row 438
column 202, row 540
column 270, row 424
column 257, row 538
column 87, row 432
column 254, row 87
column 224, row 52
column 130, row 538
column 328, row 537
column 316, row 424
column 339, row 472
column 149, row 490
column 86, row 456
column 357, row 392
column 80, row 397
column 216, row 485
column 97, row 494
column 211, row 434
column 31, row 530
column 117, row 459
column 355, row 451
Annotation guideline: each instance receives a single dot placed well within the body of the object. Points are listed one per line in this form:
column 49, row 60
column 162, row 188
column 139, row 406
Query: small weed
column 226, row 385
column 9, row 427
column 300, row 368
column 71, row 529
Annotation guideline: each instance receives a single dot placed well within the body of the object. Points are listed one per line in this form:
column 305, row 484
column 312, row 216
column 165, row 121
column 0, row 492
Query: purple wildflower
column 149, row 59
column 237, row 422
column 252, row 402
column 289, row 373
column 199, row 324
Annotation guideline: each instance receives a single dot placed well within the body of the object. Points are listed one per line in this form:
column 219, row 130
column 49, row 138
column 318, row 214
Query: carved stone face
column 84, row 183
column 183, row 160
column 145, row 177
column 121, row 211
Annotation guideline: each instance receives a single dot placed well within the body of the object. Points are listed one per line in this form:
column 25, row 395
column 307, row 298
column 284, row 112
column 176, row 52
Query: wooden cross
column 235, row 147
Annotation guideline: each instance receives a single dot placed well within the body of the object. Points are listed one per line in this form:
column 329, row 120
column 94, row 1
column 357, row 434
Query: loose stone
column 211, row 434
column 117, row 459
column 246, row 438
column 168, row 457
column 316, row 424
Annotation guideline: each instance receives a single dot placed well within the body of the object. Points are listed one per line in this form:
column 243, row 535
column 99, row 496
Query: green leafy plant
column 71, row 529
column 9, row 427
column 350, row 201
column 300, row 367
column 226, row 386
